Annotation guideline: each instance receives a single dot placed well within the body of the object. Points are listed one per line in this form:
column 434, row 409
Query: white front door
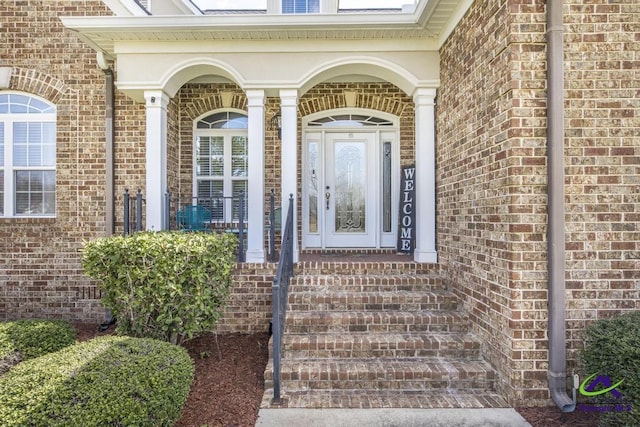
column 350, row 192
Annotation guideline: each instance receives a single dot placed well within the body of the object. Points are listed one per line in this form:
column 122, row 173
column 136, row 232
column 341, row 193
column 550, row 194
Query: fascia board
column 118, row 24
column 249, row 46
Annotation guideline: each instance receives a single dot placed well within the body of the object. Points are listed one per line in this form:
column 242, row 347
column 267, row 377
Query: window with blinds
column 27, row 156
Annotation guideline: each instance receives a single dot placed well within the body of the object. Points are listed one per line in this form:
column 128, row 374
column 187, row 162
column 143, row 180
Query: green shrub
column 115, row 381
column 612, row 348
column 169, row 285
column 26, row 339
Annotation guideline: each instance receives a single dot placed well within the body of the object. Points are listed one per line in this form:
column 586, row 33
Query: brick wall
column 39, row 264
column 492, row 176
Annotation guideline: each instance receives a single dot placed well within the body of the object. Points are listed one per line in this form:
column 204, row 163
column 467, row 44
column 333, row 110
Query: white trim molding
column 289, row 163
column 255, row 196
column 425, row 251
column 156, row 158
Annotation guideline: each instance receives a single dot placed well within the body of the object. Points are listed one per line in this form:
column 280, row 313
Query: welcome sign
column 407, row 217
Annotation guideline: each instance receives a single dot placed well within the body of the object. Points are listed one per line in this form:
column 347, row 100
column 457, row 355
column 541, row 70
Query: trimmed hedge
column 166, row 285
column 612, row 348
column 26, row 339
column 118, row 381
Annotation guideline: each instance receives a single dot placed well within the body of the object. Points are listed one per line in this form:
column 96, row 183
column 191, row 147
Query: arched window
column 221, row 162
column 27, row 156
column 349, row 120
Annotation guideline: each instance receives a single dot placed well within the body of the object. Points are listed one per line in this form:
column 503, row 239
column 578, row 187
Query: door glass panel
column 350, row 187
column 313, row 187
column 386, row 187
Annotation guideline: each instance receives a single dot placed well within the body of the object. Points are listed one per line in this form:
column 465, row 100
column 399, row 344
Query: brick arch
column 37, row 83
column 212, row 102
column 385, row 97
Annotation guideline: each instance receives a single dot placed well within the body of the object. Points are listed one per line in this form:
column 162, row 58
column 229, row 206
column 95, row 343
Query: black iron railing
column 221, row 214
column 207, row 214
column 280, row 295
column 132, row 218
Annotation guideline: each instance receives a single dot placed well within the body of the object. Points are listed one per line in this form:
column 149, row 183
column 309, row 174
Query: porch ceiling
column 433, row 20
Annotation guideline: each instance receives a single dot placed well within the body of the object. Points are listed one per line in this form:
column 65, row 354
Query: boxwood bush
column 166, row 285
column 612, row 348
column 115, row 381
column 26, row 339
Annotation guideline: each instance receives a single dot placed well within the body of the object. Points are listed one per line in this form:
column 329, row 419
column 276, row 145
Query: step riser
column 446, row 347
column 389, row 399
column 365, row 284
column 365, row 268
column 370, row 302
column 400, row 385
column 299, row 377
column 332, row 322
column 398, row 328
column 383, row 354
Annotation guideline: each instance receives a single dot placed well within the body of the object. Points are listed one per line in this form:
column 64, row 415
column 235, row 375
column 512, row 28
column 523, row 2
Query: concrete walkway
column 293, row 417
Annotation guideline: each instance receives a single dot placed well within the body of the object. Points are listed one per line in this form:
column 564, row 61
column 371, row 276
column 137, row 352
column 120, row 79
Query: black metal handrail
column 280, row 295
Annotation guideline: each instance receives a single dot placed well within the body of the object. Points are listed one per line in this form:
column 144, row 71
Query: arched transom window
column 27, row 156
column 350, row 120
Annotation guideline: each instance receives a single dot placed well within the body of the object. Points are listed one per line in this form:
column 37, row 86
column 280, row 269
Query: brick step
column 381, row 374
column 371, row 301
column 366, row 283
column 448, row 346
column 365, row 267
column 313, row 322
column 432, row 399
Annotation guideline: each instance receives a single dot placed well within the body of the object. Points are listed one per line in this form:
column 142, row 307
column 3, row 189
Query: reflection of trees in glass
column 239, row 156
column 313, row 187
column 35, row 192
column 350, row 186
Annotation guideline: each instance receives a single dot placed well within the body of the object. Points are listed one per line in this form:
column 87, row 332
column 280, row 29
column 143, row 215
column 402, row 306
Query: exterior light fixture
column 276, row 123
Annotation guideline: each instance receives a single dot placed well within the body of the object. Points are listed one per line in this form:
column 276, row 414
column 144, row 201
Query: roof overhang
column 431, row 20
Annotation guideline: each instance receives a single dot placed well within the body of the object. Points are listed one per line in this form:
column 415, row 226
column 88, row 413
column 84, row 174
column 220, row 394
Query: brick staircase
column 375, row 335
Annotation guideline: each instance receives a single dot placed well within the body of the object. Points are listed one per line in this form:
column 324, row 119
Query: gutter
column 109, row 101
column 557, row 371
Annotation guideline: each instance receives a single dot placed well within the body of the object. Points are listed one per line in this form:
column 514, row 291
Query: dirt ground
column 228, row 384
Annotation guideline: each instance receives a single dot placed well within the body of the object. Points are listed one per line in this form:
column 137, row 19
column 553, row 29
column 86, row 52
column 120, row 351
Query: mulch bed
column 228, row 385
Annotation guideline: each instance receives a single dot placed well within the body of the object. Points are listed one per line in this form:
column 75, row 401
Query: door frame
column 318, row 135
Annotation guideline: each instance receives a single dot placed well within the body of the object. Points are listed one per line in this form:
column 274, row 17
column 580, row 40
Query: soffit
column 104, row 33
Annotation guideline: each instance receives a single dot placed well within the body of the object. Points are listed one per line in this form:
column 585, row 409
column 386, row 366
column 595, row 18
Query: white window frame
column 227, row 176
column 9, row 169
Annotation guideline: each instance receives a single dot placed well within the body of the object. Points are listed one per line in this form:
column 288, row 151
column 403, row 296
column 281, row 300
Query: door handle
column 327, row 197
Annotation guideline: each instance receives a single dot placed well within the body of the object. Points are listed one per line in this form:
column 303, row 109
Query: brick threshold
column 354, row 255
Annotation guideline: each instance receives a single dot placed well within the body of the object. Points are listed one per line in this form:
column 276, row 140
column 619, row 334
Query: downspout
column 557, row 371
column 109, row 138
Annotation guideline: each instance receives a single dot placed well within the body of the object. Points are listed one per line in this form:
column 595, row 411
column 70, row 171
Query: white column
column 156, row 157
column 424, row 99
column 289, row 163
column 255, row 193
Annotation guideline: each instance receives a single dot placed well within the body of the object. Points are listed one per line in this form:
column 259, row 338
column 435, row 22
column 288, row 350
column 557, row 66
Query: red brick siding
column 39, row 262
column 492, row 176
